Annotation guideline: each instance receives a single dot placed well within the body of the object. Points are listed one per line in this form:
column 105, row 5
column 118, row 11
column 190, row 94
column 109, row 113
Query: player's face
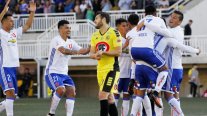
column 98, row 22
column 65, row 30
column 123, row 28
column 174, row 20
column 9, row 22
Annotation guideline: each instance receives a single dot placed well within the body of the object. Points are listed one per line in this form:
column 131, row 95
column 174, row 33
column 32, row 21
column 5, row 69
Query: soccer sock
column 55, row 101
column 70, row 106
column 117, row 99
column 113, row 110
column 9, row 103
column 137, row 101
column 125, row 107
column 104, row 108
column 175, row 106
column 139, row 111
column 161, row 80
column 147, row 105
column 159, row 111
column 173, row 112
column 2, row 106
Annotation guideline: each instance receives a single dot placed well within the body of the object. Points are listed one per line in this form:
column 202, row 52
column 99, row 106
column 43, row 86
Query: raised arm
column 6, row 8
column 157, row 29
column 175, row 44
column 32, row 9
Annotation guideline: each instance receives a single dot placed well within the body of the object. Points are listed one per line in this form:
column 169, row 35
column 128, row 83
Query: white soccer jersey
column 8, row 49
column 125, row 62
column 172, row 48
column 58, row 62
column 145, row 37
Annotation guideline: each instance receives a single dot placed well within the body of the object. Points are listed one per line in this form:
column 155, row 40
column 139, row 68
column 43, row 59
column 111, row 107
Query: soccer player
column 125, row 66
column 173, row 48
column 133, row 19
column 106, row 47
column 142, row 49
column 56, row 73
column 9, row 59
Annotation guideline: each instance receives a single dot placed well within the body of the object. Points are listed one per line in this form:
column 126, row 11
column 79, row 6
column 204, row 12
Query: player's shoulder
column 113, row 31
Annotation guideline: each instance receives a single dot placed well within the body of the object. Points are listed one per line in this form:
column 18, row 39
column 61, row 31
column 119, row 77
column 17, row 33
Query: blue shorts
column 55, row 80
column 123, row 85
column 145, row 76
column 173, row 81
column 148, row 55
column 8, row 79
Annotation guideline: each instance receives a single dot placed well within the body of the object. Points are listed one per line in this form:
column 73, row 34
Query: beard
column 99, row 25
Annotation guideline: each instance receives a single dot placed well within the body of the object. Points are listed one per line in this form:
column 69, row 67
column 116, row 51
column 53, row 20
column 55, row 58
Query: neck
column 5, row 29
column 104, row 28
column 63, row 37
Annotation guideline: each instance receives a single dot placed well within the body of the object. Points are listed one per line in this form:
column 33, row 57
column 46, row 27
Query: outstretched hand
column 32, row 6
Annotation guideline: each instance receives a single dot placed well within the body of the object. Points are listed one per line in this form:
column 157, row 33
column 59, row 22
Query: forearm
column 155, row 28
column 112, row 53
column 3, row 12
column 84, row 51
column 29, row 21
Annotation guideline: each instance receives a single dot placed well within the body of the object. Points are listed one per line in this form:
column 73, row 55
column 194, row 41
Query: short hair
column 133, row 19
column 62, row 22
column 191, row 20
column 150, row 10
column 119, row 21
column 104, row 15
column 180, row 15
column 5, row 16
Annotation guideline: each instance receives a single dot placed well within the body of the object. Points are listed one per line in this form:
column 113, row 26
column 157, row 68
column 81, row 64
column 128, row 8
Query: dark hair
column 150, row 10
column 104, row 15
column 5, row 16
column 119, row 21
column 62, row 22
column 180, row 15
column 133, row 19
column 191, row 20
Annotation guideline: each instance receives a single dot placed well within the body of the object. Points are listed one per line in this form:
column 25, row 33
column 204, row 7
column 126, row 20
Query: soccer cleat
column 155, row 98
column 49, row 114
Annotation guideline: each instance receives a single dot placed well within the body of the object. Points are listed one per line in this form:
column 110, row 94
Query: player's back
column 145, row 37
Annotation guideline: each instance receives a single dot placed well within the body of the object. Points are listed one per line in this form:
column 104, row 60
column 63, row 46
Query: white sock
column 161, row 80
column 2, row 106
column 125, row 108
column 173, row 112
column 175, row 106
column 147, row 105
column 9, row 103
column 137, row 101
column 159, row 111
column 116, row 101
column 139, row 112
column 54, row 103
column 70, row 106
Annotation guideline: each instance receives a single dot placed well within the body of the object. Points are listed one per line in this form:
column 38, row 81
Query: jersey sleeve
column 92, row 41
column 19, row 32
column 56, row 43
column 76, row 46
column 158, row 29
column 175, row 44
column 117, row 39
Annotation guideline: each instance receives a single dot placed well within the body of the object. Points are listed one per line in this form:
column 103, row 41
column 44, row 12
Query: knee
column 70, row 93
column 10, row 93
column 60, row 91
